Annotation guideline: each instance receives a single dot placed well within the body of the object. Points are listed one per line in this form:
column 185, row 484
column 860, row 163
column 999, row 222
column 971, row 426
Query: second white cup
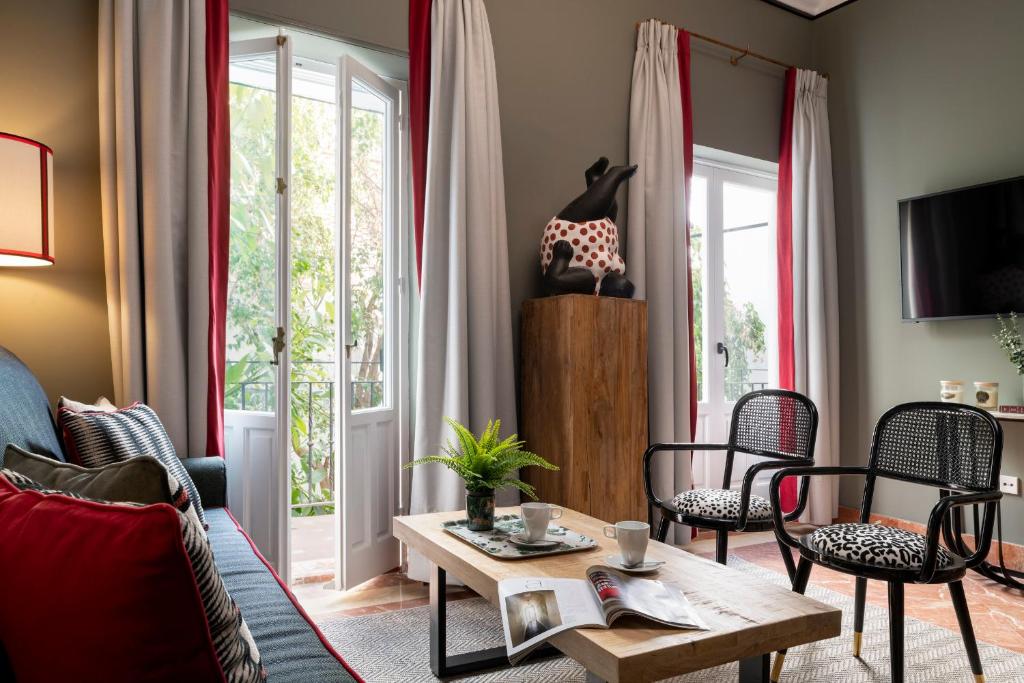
column 536, row 517
column 632, row 538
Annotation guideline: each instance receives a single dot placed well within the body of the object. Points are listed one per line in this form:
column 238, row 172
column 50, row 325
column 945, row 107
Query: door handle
column 349, row 347
column 278, row 341
column 722, row 348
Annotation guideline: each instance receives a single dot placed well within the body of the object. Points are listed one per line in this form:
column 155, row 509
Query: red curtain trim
column 683, row 55
column 784, row 251
column 419, row 114
column 218, row 191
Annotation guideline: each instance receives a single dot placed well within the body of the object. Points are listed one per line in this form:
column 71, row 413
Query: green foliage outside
column 251, row 324
column 488, row 463
column 744, row 330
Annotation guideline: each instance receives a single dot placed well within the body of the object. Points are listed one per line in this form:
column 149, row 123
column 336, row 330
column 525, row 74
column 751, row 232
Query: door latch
column 722, row 348
column 278, row 341
column 349, row 347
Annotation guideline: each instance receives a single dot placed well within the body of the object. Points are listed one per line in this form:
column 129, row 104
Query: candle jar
column 951, row 391
column 986, row 395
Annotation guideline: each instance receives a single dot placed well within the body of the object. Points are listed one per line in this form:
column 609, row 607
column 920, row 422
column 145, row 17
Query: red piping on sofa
column 295, row 602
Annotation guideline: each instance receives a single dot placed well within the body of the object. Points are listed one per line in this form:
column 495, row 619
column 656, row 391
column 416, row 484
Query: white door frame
column 258, row 476
column 365, row 548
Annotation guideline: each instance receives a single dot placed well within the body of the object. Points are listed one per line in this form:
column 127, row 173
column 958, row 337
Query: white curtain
column 464, row 367
column 657, row 256
column 815, row 282
column 153, row 184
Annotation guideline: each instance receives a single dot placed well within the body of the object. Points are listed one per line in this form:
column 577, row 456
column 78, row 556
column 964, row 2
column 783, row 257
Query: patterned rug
column 392, row 647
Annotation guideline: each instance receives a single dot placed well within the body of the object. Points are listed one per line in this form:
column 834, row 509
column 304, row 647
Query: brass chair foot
column 777, row 666
column 979, row 678
column 856, row 643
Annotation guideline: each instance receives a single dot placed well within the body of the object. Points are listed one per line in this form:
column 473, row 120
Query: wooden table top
column 747, row 616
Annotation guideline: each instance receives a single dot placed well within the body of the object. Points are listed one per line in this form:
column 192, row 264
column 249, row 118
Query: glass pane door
column 732, row 252
column 257, row 415
column 368, row 108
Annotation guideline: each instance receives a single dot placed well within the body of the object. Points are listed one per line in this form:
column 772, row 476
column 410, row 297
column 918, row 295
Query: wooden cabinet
column 584, row 402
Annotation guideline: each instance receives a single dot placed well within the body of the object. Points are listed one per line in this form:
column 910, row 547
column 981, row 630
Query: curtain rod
column 733, row 59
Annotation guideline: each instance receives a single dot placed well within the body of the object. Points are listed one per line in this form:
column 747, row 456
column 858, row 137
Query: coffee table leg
column 444, row 665
column 755, row 669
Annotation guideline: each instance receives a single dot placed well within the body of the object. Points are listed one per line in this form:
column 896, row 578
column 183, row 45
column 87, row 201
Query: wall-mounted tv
column 962, row 252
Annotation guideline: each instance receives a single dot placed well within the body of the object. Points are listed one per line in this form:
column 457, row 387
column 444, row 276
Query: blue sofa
column 292, row 648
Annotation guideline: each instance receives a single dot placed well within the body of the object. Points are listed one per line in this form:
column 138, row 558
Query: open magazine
column 533, row 610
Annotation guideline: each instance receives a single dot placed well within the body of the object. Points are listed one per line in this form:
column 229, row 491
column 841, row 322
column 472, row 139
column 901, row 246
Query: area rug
column 393, row 647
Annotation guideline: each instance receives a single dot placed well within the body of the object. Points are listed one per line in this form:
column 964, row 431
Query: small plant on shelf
column 486, row 465
column 1010, row 341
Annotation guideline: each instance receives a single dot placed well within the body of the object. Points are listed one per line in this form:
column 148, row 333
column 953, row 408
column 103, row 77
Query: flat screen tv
column 962, row 252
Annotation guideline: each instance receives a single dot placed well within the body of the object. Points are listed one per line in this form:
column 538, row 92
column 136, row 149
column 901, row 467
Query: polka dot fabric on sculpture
column 595, row 246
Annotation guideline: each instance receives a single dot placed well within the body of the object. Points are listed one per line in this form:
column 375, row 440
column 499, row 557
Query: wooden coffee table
column 748, row 618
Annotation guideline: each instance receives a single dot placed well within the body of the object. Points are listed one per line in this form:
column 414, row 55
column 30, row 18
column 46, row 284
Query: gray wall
column 925, row 95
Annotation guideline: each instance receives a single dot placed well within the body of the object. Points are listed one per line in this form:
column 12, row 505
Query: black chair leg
column 800, row 579
column 663, row 529
column 896, row 630
column 787, row 559
column 963, row 615
column 859, row 595
column 722, row 546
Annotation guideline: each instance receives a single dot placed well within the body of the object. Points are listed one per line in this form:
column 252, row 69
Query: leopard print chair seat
column 721, row 504
column 875, row 545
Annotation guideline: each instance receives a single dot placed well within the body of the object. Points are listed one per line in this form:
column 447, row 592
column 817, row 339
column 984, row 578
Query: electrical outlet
column 1009, row 485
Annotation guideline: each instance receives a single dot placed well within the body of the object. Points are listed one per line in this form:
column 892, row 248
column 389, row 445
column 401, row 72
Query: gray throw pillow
column 142, row 479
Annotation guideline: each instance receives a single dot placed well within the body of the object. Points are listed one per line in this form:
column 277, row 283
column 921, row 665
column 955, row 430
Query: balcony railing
column 312, row 405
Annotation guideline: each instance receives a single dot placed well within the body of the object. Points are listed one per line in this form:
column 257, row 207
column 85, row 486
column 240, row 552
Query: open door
column 257, row 383
column 370, row 335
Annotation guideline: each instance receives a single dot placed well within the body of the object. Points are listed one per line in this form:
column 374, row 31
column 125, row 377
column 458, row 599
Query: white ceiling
column 811, row 7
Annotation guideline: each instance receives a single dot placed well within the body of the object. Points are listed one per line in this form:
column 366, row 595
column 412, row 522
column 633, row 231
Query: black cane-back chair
column 773, row 423
column 951, row 447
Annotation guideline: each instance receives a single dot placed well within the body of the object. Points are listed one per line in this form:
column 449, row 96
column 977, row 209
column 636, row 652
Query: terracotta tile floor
column 997, row 612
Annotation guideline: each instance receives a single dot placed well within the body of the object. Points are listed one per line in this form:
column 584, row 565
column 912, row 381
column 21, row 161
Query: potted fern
column 485, row 465
column 1010, row 341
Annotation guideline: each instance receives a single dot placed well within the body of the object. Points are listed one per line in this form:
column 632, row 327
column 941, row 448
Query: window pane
column 369, row 206
column 251, row 322
column 750, row 287
column 698, row 244
column 313, row 260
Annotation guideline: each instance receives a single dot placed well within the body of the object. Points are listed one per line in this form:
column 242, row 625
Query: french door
column 732, row 251
column 257, row 374
column 316, row 357
column 370, row 351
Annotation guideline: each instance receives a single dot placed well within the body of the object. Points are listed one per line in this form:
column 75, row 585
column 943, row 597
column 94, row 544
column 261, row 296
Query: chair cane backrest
column 947, row 445
column 774, row 423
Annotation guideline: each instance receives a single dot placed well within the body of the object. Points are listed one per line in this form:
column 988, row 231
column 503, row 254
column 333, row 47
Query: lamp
column 26, row 202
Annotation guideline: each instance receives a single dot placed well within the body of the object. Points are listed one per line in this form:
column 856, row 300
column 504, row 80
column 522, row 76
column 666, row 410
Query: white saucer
column 520, row 541
column 647, row 567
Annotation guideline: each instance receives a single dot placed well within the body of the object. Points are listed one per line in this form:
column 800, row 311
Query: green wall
column 924, row 95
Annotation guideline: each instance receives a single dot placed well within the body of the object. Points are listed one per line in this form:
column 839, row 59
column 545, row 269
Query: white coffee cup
column 632, row 538
column 536, row 517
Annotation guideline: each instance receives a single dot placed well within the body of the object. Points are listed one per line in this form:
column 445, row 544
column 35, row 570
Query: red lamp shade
column 26, row 202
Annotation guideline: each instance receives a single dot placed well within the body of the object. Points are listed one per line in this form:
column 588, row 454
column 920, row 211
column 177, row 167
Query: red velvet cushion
column 95, row 592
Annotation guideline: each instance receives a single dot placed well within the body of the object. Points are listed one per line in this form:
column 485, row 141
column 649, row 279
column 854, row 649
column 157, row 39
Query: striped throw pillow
column 95, row 439
column 233, row 644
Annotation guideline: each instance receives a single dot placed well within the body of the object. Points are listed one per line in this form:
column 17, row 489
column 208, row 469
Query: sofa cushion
column 142, row 479
column 25, row 418
column 97, row 438
column 143, row 570
column 292, row 647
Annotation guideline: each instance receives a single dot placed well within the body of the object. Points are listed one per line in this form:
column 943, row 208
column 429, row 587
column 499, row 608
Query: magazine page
column 533, row 610
column 620, row 594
